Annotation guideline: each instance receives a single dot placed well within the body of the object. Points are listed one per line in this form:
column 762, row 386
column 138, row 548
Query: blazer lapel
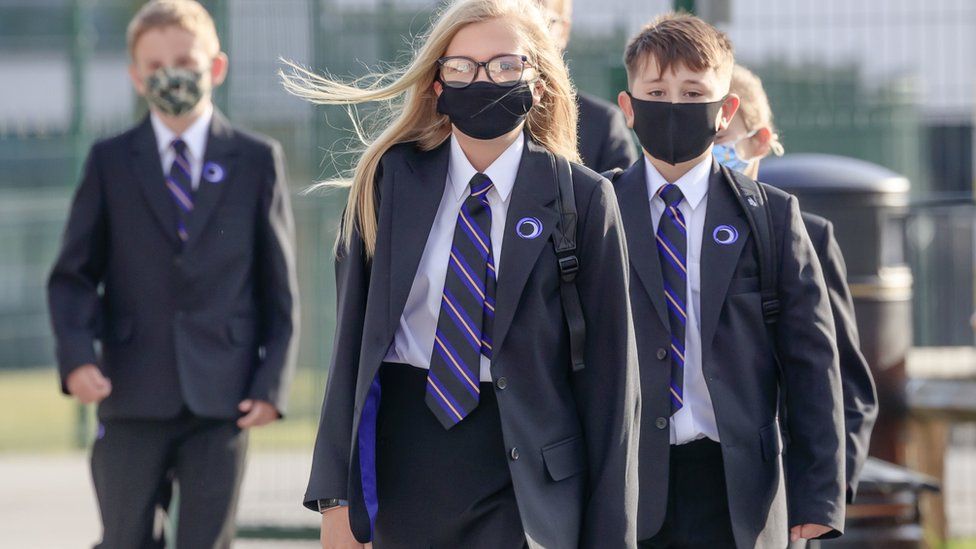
column 417, row 198
column 533, row 196
column 148, row 169
column 718, row 260
column 220, row 156
column 635, row 209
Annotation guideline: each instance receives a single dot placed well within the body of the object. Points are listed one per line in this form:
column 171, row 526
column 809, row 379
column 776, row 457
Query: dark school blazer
column 605, row 141
column 570, row 437
column 204, row 324
column 860, row 395
column 740, row 371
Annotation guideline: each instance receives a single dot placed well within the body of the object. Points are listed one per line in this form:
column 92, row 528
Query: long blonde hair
column 412, row 104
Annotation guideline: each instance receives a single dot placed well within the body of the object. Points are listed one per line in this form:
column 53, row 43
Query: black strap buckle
column 771, row 310
column 568, row 267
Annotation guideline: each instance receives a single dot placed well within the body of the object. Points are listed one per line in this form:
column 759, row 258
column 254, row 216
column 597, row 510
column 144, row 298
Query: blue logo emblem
column 725, row 234
column 213, row 172
column 529, row 228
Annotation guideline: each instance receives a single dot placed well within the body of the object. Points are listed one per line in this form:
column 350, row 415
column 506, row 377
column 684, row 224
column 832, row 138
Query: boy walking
column 177, row 258
column 711, row 470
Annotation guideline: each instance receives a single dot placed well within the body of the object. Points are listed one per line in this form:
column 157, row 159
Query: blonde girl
column 453, row 416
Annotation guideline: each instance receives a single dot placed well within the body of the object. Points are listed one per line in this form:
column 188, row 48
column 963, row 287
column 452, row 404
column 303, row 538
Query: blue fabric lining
column 367, row 450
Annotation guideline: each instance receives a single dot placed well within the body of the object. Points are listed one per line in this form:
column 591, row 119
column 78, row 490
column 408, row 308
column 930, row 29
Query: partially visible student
column 453, row 416
column 748, row 139
column 711, row 470
column 177, row 257
column 605, row 142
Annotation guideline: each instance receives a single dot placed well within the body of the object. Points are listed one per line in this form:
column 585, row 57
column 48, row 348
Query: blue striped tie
column 180, row 185
column 467, row 312
column 672, row 246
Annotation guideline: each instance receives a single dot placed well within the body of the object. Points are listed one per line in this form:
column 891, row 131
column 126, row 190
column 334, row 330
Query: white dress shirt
column 195, row 138
column 696, row 418
column 414, row 339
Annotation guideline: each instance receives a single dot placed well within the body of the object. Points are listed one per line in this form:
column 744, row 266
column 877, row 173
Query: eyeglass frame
column 479, row 65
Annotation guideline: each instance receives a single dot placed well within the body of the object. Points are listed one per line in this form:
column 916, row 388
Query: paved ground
column 46, row 501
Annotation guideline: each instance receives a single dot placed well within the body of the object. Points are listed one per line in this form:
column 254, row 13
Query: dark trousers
column 698, row 505
column 440, row 488
column 135, row 463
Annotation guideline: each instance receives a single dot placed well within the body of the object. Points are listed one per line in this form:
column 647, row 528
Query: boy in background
column 604, row 140
column 178, row 259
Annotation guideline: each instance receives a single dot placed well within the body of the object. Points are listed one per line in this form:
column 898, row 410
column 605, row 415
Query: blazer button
column 661, row 423
column 178, row 261
column 514, row 454
column 501, row 383
column 662, row 353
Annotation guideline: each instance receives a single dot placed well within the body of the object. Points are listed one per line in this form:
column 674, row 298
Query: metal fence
column 889, row 82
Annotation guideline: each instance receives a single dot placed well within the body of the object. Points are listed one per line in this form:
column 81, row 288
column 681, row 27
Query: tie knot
column 480, row 184
column 179, row 146
column 671, row 194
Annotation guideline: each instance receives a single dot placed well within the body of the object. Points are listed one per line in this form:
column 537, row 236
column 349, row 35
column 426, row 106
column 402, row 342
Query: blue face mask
column 726, row 156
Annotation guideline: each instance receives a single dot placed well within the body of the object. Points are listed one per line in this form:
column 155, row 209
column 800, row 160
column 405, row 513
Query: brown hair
column 754, row 106
column 674, row 39
column 185, row 14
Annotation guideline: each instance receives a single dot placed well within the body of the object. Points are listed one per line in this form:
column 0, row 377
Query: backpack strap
column 755, row 204
column 564, row 243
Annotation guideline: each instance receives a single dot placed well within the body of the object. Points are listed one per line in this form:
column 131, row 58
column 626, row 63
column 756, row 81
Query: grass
column 37, row 418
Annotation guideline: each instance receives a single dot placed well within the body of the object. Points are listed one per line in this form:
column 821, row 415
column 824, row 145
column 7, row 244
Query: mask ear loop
column 735, row 145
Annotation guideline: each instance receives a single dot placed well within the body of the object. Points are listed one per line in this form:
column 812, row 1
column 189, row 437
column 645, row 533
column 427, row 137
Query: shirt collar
column 693, row 185
column 195, row 136
column 502, row 171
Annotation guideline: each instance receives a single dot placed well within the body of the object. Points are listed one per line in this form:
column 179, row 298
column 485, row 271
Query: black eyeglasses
column 460, row 72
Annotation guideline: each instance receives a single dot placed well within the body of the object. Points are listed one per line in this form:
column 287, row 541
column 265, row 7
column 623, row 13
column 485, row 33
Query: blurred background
column 892, row 83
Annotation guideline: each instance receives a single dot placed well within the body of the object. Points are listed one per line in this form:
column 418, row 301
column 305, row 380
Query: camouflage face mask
column 174, row 91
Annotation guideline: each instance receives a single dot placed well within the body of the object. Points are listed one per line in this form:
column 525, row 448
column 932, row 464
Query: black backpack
column 564, row 243
column 754, row 202
column 752, row 199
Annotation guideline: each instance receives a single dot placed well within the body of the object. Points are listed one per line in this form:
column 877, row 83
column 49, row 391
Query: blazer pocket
column 121, row 330
column 771, row 440
column 241, row 331
column 565, row 458
column 744, row 285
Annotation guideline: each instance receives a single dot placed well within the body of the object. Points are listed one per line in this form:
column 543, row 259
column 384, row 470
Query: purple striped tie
column 467, row 312
column 180, row 185
column 672, row 247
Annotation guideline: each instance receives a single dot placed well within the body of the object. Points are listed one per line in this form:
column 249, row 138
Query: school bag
column 754, row 202
column 564, row 243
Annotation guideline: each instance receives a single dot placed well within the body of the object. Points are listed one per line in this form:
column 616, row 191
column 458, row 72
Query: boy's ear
column 729, row 108
column 218, row 69
column 623, row 99
column 137, row 82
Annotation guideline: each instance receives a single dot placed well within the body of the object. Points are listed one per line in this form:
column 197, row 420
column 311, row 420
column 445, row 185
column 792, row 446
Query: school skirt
column 440, row 488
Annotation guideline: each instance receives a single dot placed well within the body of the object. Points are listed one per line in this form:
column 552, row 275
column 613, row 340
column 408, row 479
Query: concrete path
column 47, row 501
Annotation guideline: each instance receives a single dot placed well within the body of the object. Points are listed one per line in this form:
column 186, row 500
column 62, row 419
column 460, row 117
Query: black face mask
column 675, row 132
column 485, row 110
